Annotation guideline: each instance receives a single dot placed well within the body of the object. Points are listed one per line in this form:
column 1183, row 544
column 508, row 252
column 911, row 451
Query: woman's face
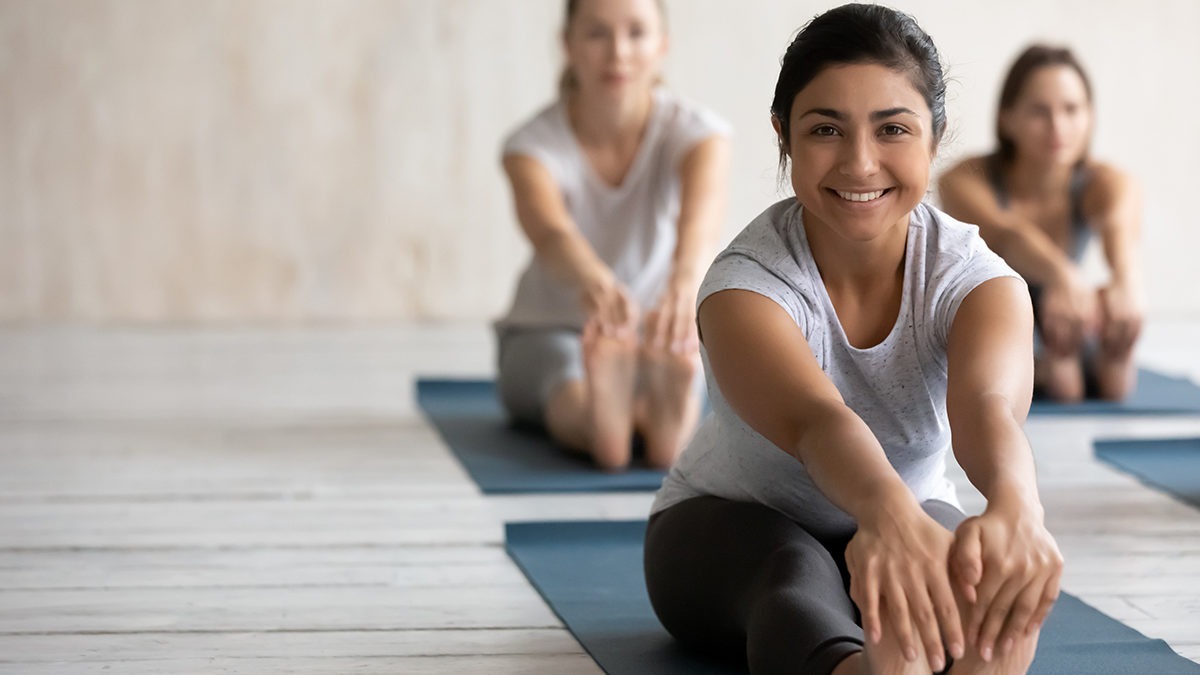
column 615, row 47
column 861, row 145
column 1051, row 120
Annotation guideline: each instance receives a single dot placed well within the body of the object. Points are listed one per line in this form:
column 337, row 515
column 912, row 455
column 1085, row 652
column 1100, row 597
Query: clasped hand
column 989, row 583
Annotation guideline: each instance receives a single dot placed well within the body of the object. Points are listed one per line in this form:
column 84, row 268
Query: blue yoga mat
column 590, row 573
column 1168, row 464
column 1156, row 394
column 505, row 460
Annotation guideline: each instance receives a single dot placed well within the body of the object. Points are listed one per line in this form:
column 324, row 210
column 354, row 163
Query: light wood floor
column 268, row 500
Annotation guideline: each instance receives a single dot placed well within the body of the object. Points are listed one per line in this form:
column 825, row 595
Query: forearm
column 847, row 463
column 1120, row 251
column 693, row 250
column 995, row 454
column 1030, row 253
column 570, row 259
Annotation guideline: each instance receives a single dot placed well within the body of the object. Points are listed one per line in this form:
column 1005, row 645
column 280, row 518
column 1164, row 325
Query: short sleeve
column 538, row 139
column 741, row 270
column 974, row 264
column 692, row 125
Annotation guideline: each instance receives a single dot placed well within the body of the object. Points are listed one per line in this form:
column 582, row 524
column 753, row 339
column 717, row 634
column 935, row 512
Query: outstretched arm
column 562, row 248
column 1113, row 203
column 1006, row 564
column 703, row 175
column 767, row 372
column 1069, row 303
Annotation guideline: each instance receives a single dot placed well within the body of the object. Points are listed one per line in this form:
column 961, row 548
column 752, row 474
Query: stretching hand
column 1007, row 568
column 606, row 303
column 1121, row 314
column 899, row 568
column 671, row 325
column 1068, row 313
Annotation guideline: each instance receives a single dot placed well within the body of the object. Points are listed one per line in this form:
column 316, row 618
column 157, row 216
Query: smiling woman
column 848, row 333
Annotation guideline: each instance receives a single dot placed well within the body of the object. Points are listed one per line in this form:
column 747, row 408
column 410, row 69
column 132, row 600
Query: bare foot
column 1015, row 660
column 610, row 363
column 887, row 658
column 667, row 406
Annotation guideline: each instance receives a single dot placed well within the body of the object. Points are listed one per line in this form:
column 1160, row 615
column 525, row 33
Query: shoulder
column 1106, row 185
column 949, row 241
column 688, row 120
column 969, row 170
column 546, row 130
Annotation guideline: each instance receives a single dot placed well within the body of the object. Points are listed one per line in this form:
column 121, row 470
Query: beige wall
column 193, row 160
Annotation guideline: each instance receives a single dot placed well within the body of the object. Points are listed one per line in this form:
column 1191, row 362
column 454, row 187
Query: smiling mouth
column 861, row 196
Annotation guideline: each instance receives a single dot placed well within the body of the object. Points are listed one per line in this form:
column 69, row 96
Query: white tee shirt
column 897, row 387
column 631, row 227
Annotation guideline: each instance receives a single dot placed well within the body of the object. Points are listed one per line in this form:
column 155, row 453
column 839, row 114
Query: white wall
column 167, row 160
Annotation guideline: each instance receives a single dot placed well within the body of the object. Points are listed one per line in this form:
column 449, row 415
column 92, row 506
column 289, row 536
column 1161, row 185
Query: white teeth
column 860, row 196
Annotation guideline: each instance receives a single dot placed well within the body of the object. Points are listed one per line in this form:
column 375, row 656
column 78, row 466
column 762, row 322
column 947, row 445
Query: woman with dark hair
column 848, row 333
column 619, row 185
column 1037, row 199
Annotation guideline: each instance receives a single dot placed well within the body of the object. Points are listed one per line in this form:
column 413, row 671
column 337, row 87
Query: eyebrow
column 875, row 116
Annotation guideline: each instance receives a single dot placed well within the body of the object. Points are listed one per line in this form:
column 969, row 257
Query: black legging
column 736, row 578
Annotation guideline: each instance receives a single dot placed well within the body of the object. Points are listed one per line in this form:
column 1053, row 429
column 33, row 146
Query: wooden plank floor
column 269, row 500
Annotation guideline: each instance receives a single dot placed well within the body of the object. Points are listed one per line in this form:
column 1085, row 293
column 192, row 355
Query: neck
column 1033, row 178
column 599, row 119
column 859, row 268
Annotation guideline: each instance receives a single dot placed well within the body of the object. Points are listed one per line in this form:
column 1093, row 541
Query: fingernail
column 938, row 663
column 956, row 650
column 910, row 654
column 986, row 653
column 1008, row 645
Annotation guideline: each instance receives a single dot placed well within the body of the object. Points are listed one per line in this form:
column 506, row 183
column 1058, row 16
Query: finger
column 1020, row 617
column 967, row 558
column 654, row 328
column 681, row 336
column 864, row 590
column 1049, row 596
column 948, row 618
column 987, row 591
column 926, row 622
column 997, row 613
column 901, row 625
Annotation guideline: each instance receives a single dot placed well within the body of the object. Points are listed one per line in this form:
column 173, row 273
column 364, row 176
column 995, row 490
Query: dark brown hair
column 566, row 80
column 859, row 33
column 1033, row 58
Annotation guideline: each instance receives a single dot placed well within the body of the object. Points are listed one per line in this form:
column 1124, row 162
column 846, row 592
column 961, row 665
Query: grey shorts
column 532, row 363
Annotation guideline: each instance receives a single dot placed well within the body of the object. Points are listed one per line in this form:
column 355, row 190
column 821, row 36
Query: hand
column 1121, row 317
column 1008, row 568
column 607, row 304
column 671, row 325
column 899, row 564
column 1068, row 313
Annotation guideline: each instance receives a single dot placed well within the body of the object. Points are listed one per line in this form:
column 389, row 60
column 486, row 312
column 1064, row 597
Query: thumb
column 967, row 557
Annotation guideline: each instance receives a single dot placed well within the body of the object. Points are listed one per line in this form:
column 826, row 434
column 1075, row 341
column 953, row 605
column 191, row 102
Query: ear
column 778, row 127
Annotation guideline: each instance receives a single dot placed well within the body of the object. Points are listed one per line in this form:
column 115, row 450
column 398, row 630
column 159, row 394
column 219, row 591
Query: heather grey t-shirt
column 632, row 227
column 897, row 387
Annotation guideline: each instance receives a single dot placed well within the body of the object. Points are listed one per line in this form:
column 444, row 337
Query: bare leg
column 1116, row 375
column 567, row 416
column 667, row 407
column 1061, row 377
column 855, row 664
column 610, row 364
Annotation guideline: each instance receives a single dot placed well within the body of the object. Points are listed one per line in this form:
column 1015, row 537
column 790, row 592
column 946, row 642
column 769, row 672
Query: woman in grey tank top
column 1037, row 200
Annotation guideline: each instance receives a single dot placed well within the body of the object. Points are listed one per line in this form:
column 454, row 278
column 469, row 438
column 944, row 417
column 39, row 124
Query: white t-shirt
column 632, row 227
column 897, row 387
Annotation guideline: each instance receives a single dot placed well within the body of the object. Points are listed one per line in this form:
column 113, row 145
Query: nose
column 858, row 157
column 620, row 46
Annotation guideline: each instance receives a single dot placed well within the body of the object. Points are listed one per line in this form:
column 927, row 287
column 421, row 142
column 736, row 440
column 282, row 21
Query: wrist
column 1016, row 503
